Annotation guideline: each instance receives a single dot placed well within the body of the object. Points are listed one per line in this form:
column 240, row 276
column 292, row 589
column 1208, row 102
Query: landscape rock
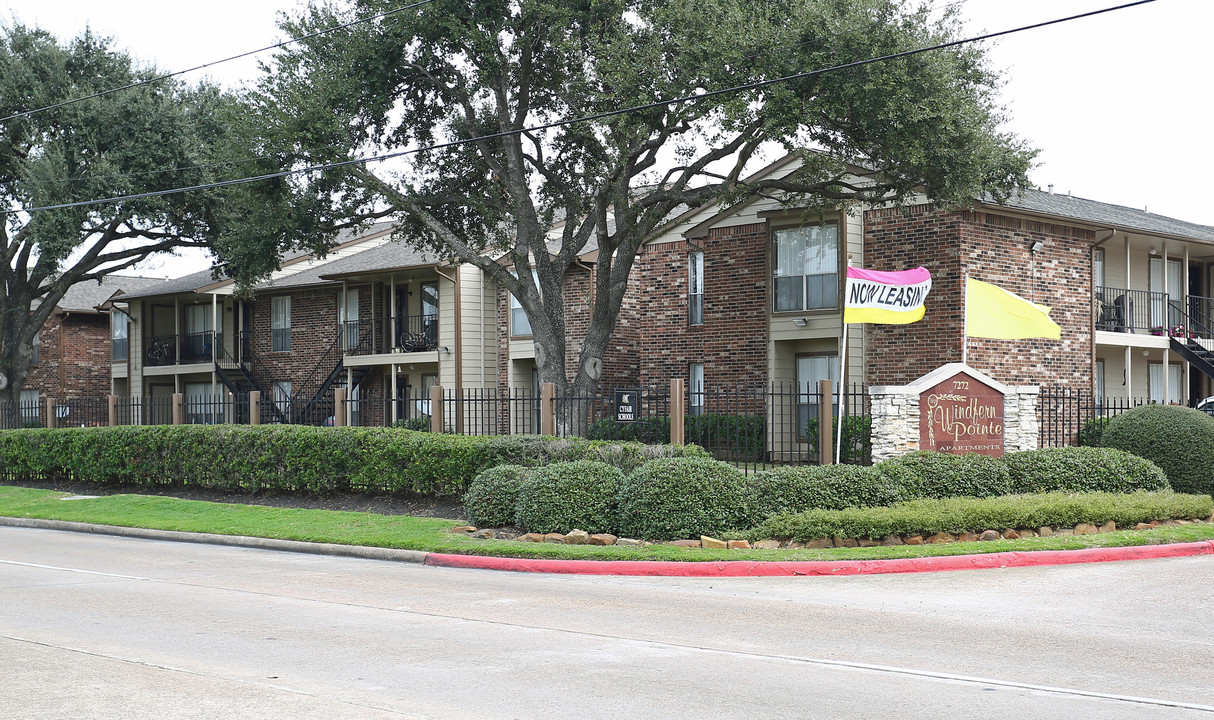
column 1110, row 526
column 941, row 537
column 865, row 542
column 1026, row 533
column 967, row 537
column 738, row 545
column 988, row 535
column 577, row 537
column 712, row 543
column 1010, row 534
column 913, row 540
column 1143, row 526
column 485, row 534
column 603, row 539
column 818, row 544
column 1183, row 522
column 532, row 537
column 1045, row 531
column 686, row 543
column 1085, row 529
column 628, row 542
column 464, row 529
column 556, row 538
column 846, row 542
column 797, row 545
column 892, row 540
column 767, row 545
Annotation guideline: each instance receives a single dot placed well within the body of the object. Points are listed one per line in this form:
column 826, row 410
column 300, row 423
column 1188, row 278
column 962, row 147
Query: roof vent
column 1050, row 188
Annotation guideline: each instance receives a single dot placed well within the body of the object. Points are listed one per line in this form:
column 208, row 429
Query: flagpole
column 842, row 375
column 965, row 316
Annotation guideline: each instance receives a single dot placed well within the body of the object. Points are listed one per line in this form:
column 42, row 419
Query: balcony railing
column 186, row 349
column 415, row 333
column 1153, row 313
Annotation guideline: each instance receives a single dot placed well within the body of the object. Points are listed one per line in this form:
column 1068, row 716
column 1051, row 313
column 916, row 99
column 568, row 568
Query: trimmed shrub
column 956, row 515
column 492, row 496
column 1179, row 440
column 1082, row 469
column 929, row 474
column 678, row 498
column 1091, row 431
column 829, row 487
column 566, row 496
column 420, row 424
column 857, row 445
column 738, row 436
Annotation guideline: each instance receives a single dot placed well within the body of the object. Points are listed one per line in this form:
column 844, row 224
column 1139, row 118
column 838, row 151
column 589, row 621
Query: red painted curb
column 750, row 568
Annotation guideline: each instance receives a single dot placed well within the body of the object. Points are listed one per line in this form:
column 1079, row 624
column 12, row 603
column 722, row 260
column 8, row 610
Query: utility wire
column 201, row 166
column 284, row 43
column 587, row 118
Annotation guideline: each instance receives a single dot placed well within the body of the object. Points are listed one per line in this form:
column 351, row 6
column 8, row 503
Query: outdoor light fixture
column 1037, row 246
column 800, row 322
column 445, row 350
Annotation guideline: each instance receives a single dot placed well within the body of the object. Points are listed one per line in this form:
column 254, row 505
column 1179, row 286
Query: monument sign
column 961, row 414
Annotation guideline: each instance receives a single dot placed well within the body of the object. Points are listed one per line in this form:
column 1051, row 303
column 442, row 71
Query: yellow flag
column 992, row 312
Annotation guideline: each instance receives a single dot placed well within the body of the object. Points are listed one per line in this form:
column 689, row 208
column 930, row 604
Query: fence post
column 50, row 412
column 547, row 408
column 339, row 407
column 229, row 414
column 436, row 409
column 112, row 410
column 678, row 390
column 826, row 422
column 254, row 407
column 178, row 409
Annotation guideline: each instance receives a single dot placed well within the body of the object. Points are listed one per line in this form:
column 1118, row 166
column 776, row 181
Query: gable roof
column 87, row 296
column 1107, row 215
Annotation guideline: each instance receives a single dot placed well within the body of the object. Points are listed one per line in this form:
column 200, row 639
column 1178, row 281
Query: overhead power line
column 284, row 43
column 586, row 118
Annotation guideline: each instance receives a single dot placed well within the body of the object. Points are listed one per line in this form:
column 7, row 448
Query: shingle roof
column 1101, row 213
column 86, row 296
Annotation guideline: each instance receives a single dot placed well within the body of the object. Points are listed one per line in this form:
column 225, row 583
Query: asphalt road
column 107, row 627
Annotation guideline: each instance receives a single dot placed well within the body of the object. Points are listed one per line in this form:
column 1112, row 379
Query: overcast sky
column 1119, row 104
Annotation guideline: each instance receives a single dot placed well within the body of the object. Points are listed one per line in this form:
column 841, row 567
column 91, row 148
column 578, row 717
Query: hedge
column 930, row 474
column 742, row 437
column 955, row 515
column 569, row 496
column 1082, row 469
column 492, row 496
column 857, row 438
column 294, row 458
column 684, row 498
column 1179, row 440
column 827, row 487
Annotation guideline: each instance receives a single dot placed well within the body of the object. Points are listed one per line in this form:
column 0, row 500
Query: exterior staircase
column 1197, row 355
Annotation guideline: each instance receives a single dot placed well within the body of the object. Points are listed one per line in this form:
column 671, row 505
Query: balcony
column 415, row 333
column 1153, row 313
column 185, row 349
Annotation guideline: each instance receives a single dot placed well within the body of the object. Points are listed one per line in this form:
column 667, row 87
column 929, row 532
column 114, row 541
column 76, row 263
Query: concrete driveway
column 108, row 627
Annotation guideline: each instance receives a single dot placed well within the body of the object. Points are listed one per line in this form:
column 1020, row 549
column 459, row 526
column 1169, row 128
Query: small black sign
column 627, row 403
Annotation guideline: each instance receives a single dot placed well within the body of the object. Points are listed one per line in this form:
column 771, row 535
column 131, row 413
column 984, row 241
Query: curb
column 651, row 568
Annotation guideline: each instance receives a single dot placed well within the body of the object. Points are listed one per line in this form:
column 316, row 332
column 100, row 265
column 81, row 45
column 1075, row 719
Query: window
column 31, row 413
column 282, row 396
column 696, row 388
column 120, row 328
column 695, row 288
column 519, row 323
column 430, row 313
column 811, row 369
column 1098, row 267
column 280, row 323
column 36, row 348
column 1155, row 381
column 1098, row 384
column 806, row 275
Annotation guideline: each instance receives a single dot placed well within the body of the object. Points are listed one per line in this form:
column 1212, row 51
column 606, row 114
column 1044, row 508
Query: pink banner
column 905, row 277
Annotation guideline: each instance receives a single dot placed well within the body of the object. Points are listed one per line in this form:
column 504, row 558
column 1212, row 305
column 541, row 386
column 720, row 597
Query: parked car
column 1206, row 405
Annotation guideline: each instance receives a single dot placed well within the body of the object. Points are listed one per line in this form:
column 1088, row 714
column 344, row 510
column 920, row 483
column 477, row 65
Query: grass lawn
column 431, row 535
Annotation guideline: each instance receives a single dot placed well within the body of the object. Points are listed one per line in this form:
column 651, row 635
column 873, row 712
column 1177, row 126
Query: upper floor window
column 36, row 348
column 280, row 323
column 520, row 324
column 120, row 330
column 1098, row 267
column 806, row 268
column 695, row 288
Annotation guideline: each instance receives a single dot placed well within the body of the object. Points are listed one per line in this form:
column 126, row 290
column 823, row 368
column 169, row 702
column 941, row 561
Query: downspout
column 459, row 346
column 1092, row 304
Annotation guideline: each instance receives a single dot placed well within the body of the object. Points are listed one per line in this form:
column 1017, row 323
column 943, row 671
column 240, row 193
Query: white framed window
column 1156, row 390
column 1098, row 267
column 280, row 323
column 120, row 331
column 695, row 288
column 810, row 370
column 520, row 325
column 36, row 348
column 806, row 268
column 30, row 402
column 695, row 387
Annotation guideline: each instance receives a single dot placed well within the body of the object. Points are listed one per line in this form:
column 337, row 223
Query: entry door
column 1175, row 292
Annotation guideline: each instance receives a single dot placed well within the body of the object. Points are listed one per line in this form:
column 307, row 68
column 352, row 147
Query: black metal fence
column 1068, row 417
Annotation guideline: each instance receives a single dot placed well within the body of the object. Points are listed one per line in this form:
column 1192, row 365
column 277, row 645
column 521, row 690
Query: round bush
column 929, row 474
column 1179, row 440
column 678, row 498
column 828, row 487
column 566, row 496
column 1082, row 469
column 492, row 495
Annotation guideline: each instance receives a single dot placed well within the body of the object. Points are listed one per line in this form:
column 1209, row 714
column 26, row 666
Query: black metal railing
column 22, row 414
column 1070, row 417
column 415, row 333
column 1128, row 311
column 189, row 348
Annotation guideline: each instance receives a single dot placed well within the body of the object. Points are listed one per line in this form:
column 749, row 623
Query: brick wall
column 74, row 357
column 732, row 342
column 995, row 248
column 313, row 328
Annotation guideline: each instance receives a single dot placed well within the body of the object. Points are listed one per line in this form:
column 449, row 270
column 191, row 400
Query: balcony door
column 348, row 317
column 1166, row 313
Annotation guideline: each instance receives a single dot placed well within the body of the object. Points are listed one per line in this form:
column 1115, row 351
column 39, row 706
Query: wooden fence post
column 339, row 407
column 436, row 409
column 254, row 407
column 50, row 412
column 826, row 422
column 678, row 391
column 547, row 409
column 178, row 409
column 112, row 410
